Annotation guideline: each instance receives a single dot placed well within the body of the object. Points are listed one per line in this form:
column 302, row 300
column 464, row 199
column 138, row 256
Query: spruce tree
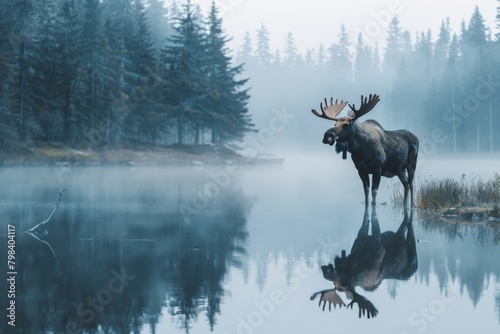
column 157, row 15
column 340, row 58
column 363, row 65
column 186, row 86
column 246, row 55
column 476, row 64
column 393, row 53
column 141, row 77
column 441, row 48
column 498, row 21
column 227, row 114
column 69, row 35
column 20, row 28
column 292, row 57
column 262, row 52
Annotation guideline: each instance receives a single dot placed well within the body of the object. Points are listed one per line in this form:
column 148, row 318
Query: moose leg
column 404, row 181
column 375, row 183
column 411, row 173
column 366, row 185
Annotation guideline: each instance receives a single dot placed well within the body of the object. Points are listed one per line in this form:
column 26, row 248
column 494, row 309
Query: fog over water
column 246, row 258
column 241, row 248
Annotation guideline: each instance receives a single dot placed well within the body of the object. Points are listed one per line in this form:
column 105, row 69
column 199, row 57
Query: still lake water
column 177, row 250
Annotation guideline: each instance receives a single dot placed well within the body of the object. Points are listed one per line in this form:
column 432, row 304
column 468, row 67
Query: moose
column 373, row 258
column 373, row 150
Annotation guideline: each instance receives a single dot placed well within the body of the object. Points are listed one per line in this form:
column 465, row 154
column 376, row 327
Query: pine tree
column 292, row 57
column 362, row 64
column 115, row 103
column 262, row 52
column 16, row 16
column 498, row 22
column 340, row 57
column 10, row 45
column 70, row 33
column 450, row 87
column 340, row 63
column 49, row 63
column 245, row 55
column 310, row 58
column 185, row 77
column 227, row 114
column 140, row 71
column 441, row 48
column 157, row 16
column 393, row 53
column 475, row 64
column 321, row 56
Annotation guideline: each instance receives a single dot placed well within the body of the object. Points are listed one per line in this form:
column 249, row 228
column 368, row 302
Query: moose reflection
column 373, row 258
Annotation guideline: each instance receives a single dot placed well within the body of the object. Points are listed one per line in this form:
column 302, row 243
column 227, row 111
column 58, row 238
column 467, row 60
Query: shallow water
column 234, row 250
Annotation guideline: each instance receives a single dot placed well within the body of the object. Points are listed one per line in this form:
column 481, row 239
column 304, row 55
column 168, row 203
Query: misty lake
column 232, row 249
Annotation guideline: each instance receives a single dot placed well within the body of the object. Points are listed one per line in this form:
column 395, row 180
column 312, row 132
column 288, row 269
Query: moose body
column 373, row 150
column 376, row 257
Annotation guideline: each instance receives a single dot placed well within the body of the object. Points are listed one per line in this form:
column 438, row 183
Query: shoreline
column 135, row 154
column 470, row 215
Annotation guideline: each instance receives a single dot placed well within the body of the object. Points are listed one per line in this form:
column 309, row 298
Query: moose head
column 341, row 131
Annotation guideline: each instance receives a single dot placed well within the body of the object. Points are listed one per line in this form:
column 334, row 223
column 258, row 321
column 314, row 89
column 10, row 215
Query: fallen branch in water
column 39, row 232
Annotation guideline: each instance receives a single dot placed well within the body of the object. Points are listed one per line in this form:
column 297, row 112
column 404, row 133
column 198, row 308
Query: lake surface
column 236, row 250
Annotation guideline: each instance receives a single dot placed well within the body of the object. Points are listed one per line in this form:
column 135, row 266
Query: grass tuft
column 470, row 198
column 446, row 193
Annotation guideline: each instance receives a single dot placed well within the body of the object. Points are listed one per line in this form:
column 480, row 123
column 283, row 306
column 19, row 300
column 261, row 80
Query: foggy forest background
column 114, row 72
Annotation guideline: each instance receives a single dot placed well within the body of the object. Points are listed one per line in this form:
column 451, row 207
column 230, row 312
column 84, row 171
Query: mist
column 162, row 171
column 442, row 85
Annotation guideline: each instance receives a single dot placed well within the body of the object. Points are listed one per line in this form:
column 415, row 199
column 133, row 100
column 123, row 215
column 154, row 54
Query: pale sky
column 317, row 21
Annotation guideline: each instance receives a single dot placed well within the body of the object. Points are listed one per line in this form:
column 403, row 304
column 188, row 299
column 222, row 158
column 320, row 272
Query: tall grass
column 446, row 193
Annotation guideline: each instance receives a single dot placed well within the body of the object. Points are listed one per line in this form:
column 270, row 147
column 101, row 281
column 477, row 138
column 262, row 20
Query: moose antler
column 367, row 104
column 330, row 112
column 366, row 307
column 329, row 296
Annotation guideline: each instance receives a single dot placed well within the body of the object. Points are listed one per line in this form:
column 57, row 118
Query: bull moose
column 373, row 150
column 373, row 258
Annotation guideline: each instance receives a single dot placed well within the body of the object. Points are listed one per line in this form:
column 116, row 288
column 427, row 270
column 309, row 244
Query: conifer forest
column 107, row 72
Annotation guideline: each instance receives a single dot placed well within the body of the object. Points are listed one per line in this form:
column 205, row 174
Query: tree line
column 103, row 72
column 443, row 86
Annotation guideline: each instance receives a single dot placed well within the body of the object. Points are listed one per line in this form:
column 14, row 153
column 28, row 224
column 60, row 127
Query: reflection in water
column 467, row 255
column 373, row 258
column 127, row 259
column 39, row 232
column 132, row 262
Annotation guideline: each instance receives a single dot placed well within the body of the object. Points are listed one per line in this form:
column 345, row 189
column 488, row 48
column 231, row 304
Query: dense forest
column 92, row 72
column 444, row 85
column 103, row 72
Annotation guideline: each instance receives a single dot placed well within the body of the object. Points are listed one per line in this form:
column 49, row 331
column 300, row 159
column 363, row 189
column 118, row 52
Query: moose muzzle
column 329, row 137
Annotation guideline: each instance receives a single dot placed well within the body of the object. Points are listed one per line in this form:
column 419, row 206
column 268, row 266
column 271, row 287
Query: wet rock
column 451, row 213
